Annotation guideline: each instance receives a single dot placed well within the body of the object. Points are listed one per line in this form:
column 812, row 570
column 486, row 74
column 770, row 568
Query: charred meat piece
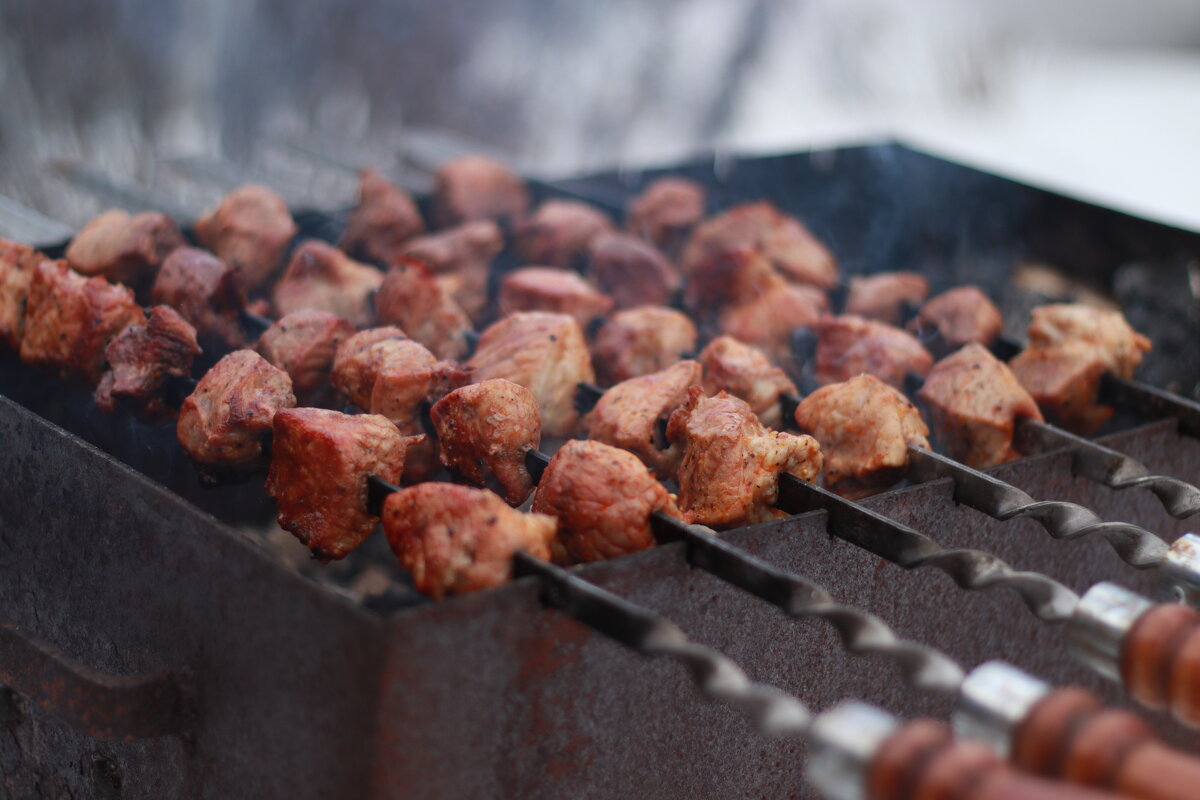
column 462, row 257
column 320, row 460
column 70, row 319
column 767, row 321
column 207, row 292
column 864, row 427
column 251, row 229
column 630, row 271
column 143, row 358
column 322, row 277
column 474, row 188
column 224, row 422
column 884, row 295
column 638, row 341
column 727, row 279
column 385, row 218
column 358, row 359
column 603, row 498
column 454, row 539
column 630, row 415
column 123, row 247
column 555, row 290
column 484, row 431
column 974, row 402
column 303, row 345
column 958, row 317
column 559, row 232
column 745, row 372
column 729, row 471
column 666, row 211
column 543, row 352
column 412, row 298
column 849, row 346
column 17, row 264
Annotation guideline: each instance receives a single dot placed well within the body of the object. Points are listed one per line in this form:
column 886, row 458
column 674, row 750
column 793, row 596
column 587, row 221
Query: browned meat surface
column 729, row 472
column 70, row 319
column 559, row 232
column 864, row 427
column 385, row 218
column 462, row 257
column 638, row 341
column 884, row 295
column 485, row 430
column 744, row 372
column 630, row 271
column 958, row 317
column 123, row 247
column 207, row 292
column 455, row 539
column 849, row 346
column 629, row 414
column 1107, row 333
column 142, row 358
column 727, row 279
column 320, row 460
column 357, row 361
column 406, row 376
column 303, row 345
column 666, row 211
column 474, row 188
column 973, row 402
column 412, row 297
column 555, row 290
column 603, row 498
column 767, row 321
column 252, row 230
column 782, row 240
column 322, row 277
column 224, row 422
column 17, row 264
column 545, row 353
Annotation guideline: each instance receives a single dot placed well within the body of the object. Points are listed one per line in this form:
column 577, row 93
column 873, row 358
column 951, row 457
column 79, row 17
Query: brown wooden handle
column 1160, row 661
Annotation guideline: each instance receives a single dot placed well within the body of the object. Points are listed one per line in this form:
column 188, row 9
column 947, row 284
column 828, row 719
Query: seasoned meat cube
column 358, row 359
column 603, row 498
column 729, row 472
column 784, row 241
column 322, row 277
column 884, row 295
column 556, row 290
column 849, row 346
column 745, row 372
column 123, row 247
column 559, row 233
column 666, row 211
column 320, row 460
column 224, row 421
column 727, row 279
column 864, row 427
column 957, row 317
column 638, row 341
column 767, row 321
column 485, row 430
column 412, row 298
column 473, row 188
column 252, row 230
column 629, row 414
column 70, row 319
column 455, row 539
column 974, row 402
column 303, row 345
column 406, row 376
column 207, row 292
column 1119, row 346
column 383, row 221
column 547, row 355
column 142, row 358
column 17, row 264
column 462, row 257
column 631, row 271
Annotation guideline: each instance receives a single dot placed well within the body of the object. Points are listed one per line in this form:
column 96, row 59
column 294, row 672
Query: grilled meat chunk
column 958, row 317
column 884, row 295
column 484, row 431
column 384, row 220
column 849, row 346
column 462, row 257
column 123, row 247
column 17, row 264
column 358, row 359
column 407, row 376
column 729, row 471
column 251, row 229
column 974, row 402
column 767, row 321
column 638, row 341
column 727, row 279
column 559, row 232
column 666, row 211
column 322, row 277
column 142, row 358
column 1107, row 333
column 630, row 271
column 207, row 292
column 70, row 319
column 455, row 539
column 474, row 188
column 629, row 415
column 556, row 290
column 303, row 344
column 412, row 297
column 320, row 460
column 864, row 427
column 603, row 498
column 745, row 372
column 224, row 422
column 546, row 354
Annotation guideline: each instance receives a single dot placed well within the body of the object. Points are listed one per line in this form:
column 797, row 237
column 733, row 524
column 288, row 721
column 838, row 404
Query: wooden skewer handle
column 1160, row 661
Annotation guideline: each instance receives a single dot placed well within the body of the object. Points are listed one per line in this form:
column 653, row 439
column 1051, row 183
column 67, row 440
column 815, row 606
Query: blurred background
column 1100, row 98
